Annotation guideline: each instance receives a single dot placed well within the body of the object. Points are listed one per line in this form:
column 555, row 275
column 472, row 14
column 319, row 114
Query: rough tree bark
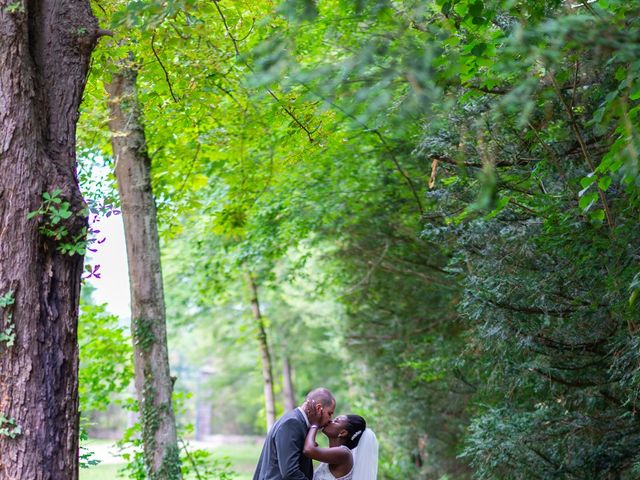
column 154, row 384
column 267, row 375
column 288, row 392
column 44, row 57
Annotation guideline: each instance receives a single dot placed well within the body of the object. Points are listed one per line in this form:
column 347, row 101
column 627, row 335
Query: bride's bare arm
column 331, row 455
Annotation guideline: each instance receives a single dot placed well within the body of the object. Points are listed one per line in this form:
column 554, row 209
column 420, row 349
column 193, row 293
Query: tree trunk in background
column 288, row 393
column 154, row 385
column 203, row 405
column 203, row 420
column 44, row 57
column 267, row 375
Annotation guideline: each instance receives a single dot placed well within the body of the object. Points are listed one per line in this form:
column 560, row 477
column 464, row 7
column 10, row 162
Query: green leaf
column 587, row 200
column 476, row 9
column 478, row 49
column 461, row 9
column 597, row 214
column 587, row 181
column 501, row 204
column 604, row 182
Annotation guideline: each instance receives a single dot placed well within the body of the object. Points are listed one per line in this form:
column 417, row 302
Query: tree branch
column 166, row 74
column 234, row 40
column 583, row 147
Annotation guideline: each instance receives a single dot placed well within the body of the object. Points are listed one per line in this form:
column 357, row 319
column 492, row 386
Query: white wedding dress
column 365, row 461
column 323, row 473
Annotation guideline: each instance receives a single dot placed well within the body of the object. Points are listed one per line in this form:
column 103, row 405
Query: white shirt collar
column 305, row 416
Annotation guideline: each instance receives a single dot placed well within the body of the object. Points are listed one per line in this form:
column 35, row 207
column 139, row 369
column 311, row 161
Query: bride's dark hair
column 355, row 426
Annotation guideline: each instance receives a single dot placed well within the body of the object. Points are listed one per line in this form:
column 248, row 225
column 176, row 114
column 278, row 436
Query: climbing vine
column 143, row 333
column 53, row 211
column 8, row 427
column 7, row 334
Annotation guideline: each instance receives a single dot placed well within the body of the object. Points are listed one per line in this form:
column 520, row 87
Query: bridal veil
column 365, row 466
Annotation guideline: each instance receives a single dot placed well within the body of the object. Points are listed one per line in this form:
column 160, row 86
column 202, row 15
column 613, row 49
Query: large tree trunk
column 288, row 392
column 267, row 375
column 151, row 360
column 44, row 56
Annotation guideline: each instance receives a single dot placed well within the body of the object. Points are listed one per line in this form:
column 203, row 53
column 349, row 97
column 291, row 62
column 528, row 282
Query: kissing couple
column 291, row 445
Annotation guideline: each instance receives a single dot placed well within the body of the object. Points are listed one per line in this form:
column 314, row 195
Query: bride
column 352, row 453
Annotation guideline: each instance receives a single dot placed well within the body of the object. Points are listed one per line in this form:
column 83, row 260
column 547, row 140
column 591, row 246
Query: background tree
column 154, row 385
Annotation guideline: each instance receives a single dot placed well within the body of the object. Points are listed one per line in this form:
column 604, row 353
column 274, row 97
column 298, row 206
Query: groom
column 281, row 457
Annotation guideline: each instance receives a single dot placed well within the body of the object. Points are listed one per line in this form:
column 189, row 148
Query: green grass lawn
column 243, row 459
column 100, row 472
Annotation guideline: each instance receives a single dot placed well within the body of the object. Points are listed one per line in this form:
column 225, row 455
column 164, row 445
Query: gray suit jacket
column 281, row 457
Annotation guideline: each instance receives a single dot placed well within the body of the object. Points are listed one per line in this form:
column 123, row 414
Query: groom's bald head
column 322, row 396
